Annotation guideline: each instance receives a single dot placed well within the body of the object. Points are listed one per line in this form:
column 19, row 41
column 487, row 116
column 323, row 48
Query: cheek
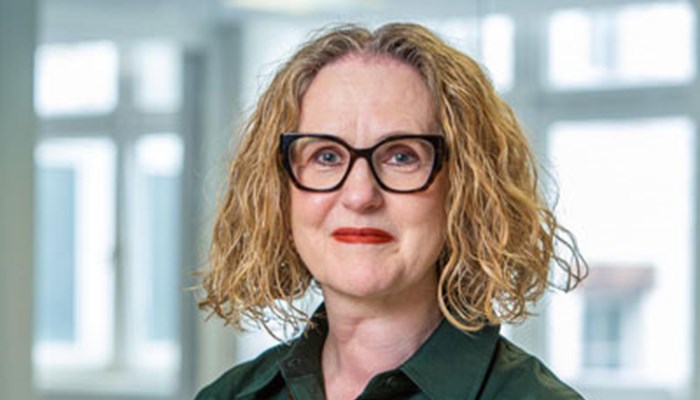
column 307, row 210
column 308, row 215
column 427, row 228
column 426, row 216
column 440, row 199
column 435, row 199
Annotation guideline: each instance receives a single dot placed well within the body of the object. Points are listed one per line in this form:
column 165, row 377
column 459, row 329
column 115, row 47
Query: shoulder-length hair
column 501, row 235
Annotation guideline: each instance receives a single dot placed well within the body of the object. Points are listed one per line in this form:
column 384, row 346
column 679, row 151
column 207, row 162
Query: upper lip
column 346, row 231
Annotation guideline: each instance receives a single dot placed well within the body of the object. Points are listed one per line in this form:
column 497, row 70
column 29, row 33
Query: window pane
column 643, row 44
column 158, row 76
column 76, row 78
column 490, row 41
column 656, row 43
column 461, row 33
column 498, row 51
column 626, row 192
column 55, row 275
column 163, row 204
column 155, row 267
column 75, row 245
column 602, row 338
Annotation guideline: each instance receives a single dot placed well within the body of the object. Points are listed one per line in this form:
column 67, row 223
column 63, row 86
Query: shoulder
column 245, row 378
column 516, row 374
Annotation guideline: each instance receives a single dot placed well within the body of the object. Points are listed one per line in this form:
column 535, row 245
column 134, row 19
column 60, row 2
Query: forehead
column 377, row 95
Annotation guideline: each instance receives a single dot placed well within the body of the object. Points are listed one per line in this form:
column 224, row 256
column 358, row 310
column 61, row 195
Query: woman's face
column 361, row 241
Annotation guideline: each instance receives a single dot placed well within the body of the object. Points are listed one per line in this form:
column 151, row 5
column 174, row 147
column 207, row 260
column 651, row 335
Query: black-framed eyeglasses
column 401, row 163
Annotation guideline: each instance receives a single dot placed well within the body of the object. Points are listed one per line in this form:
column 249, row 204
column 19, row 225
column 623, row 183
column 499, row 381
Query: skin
column 380, row 297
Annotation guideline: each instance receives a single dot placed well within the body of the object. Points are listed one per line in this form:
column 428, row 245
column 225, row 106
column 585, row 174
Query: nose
column 360, row 191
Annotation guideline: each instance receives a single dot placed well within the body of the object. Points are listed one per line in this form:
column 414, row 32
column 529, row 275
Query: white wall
column 17, row 133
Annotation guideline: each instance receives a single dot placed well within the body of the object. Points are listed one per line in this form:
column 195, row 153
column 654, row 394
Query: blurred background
column 116, row 121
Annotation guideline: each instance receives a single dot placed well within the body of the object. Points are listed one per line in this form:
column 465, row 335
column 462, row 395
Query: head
column 497, row 235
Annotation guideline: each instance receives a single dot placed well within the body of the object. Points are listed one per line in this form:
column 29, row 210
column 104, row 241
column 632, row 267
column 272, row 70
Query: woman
column 383, row 167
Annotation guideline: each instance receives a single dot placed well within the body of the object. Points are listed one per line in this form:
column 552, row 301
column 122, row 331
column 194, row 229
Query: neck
column 366, row 339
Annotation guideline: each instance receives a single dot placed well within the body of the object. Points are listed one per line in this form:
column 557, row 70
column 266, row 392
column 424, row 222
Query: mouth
column 362, row 236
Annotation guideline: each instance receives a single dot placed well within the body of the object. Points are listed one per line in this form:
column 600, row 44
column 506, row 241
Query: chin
column 361, row 281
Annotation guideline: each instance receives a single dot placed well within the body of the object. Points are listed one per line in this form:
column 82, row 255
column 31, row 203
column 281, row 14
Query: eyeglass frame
column 437, row 141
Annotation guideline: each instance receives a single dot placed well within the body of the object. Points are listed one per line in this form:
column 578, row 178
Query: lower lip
column 363, row 238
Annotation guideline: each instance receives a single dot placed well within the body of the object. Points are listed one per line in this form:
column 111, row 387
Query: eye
column 400, row 156
column 328, row 157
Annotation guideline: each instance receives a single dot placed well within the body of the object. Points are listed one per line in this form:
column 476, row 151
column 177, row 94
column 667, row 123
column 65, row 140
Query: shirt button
column 392, row 382
column 294, row 363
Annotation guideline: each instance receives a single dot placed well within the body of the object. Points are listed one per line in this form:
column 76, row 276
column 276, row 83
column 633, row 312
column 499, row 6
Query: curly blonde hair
column 501, row 235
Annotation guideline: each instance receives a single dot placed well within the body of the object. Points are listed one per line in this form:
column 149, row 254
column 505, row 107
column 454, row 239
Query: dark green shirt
column 451, row 364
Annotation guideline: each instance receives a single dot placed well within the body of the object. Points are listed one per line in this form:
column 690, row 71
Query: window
column 632, row 45
column 110, row 165
column 612, row 299
column 156, row 73
column 153, row 239
column 76, row 78
column 626, row 193
column 75, row 224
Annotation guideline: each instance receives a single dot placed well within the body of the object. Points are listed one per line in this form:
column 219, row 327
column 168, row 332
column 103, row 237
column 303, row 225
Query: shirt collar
column 452, row 363
column 302, row 363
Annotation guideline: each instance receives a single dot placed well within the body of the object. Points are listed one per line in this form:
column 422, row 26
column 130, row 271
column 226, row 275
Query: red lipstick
column 362, row 236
